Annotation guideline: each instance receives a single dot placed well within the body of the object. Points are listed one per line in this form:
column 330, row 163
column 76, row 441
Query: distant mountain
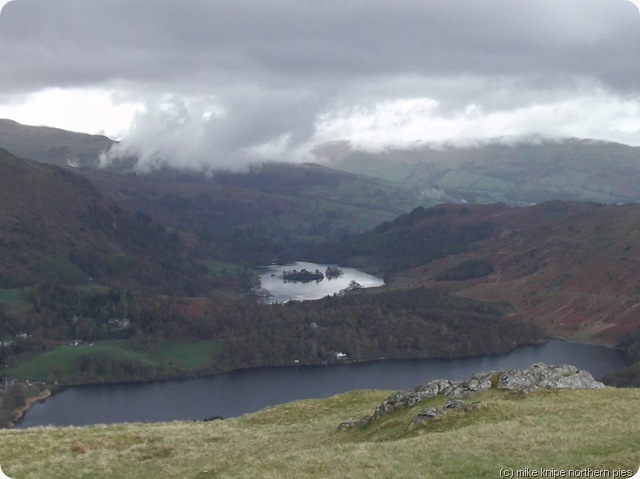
column 579, row 170
column 256, row 216
column 572, row 267
column 523, row 173
column 271, row 213
column 52, row 145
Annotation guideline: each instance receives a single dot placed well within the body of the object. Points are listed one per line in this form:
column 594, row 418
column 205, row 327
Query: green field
column 222, row 269
column 15, row 300
column 117, row 360
column 190, row 356
column 567, row 430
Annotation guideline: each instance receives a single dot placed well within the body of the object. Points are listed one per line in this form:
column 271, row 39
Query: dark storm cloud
column 271, row 68
column 78, row 41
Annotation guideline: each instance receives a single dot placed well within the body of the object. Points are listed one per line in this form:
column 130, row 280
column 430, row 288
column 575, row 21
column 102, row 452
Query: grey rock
column 354, row 424
column 454, row 404
column 346, row 425
column 542, row 376
column 430, row 412
column 454, row 391
column 478, row 382
column 537, row 376
column 427, row 414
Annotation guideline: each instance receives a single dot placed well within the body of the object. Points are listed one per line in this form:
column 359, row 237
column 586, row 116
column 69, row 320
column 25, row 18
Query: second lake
column 275, row 289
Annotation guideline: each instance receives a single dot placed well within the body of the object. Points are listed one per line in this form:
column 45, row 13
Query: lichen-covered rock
column 537, row 376
column 430, row 412
column 352, row 424
column 478, row 382
column 427, row 414
column 454, row 404
column 542, row 376
column 411, row 397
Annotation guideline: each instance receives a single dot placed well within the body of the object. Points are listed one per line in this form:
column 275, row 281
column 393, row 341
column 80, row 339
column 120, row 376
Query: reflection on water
column 280, row 290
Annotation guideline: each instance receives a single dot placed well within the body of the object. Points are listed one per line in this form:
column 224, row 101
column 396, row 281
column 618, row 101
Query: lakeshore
column 17, row 398
column 28, row 403
column 248, row 390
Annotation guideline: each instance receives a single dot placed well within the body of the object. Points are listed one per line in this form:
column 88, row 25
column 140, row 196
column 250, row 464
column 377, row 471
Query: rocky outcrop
column 541, row 376
column 538, row 376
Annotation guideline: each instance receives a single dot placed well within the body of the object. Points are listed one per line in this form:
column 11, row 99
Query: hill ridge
column 53, row 145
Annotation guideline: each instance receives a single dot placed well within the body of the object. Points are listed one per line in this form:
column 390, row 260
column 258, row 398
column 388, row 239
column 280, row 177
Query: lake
column 246, row 391
column 281, row 291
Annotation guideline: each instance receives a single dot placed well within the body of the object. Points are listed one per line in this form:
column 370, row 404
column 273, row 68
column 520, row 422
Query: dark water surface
column 245, row 391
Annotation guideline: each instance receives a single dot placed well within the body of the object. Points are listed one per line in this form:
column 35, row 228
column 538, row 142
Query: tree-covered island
column 333, row 272
column 303, row 276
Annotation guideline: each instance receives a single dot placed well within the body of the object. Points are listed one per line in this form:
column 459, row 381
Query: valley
column 305, row 239
column 153, row 276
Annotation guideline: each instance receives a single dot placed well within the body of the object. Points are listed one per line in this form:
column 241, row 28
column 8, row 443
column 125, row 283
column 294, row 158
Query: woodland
column 110, row 276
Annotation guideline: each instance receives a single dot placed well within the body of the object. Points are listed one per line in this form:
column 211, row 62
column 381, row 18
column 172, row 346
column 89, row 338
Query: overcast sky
column 205, row 83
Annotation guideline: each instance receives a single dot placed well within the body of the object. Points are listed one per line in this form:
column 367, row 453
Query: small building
column 119, row 323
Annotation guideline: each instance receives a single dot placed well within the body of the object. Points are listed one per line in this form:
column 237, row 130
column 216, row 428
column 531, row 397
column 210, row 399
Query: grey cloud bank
column 227, row 83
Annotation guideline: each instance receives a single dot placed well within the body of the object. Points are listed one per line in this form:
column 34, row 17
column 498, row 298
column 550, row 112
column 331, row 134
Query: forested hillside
column 80, row 269
column 273, row 212
column 154, row 271
column 57, row 229
column 570, row 267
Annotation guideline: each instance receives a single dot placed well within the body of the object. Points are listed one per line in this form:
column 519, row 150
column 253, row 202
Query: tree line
column 364, row 326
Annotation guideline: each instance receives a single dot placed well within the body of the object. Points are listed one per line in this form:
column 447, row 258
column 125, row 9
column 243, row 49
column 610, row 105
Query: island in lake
column 333, row 272
column 303, row 276
column 306, row 276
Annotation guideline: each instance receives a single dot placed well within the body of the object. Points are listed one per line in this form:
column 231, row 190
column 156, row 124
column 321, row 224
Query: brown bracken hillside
column 574, row 267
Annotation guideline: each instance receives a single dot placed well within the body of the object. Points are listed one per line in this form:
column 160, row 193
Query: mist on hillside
column 202, row 135
column 211, row 85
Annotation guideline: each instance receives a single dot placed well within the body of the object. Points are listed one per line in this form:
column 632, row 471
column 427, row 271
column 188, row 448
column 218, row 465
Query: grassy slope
column 172, row 359
column 563, row 430
column 574, row 169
